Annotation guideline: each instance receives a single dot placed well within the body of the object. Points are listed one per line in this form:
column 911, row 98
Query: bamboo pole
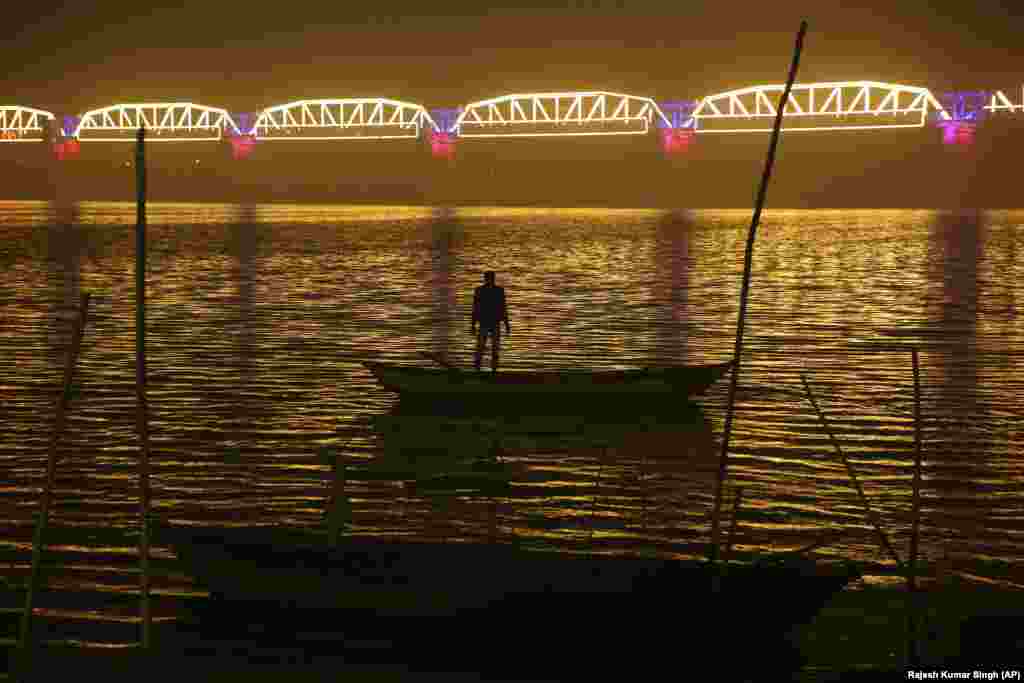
column 337, row 506
column 914, row 651
column 140, row 376
column 737, row 501
column 340, row 515
column 744, row 291
column 43, row 518
column 642, row 482
column 868, row 511
column 597, row 493
column 492, row 521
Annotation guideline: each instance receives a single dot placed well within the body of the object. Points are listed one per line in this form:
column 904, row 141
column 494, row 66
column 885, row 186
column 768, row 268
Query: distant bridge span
column 558, row 114
column 374, row 118
column 23, row 124
column 841, row 105
column 1000, row 102
column 164, row 121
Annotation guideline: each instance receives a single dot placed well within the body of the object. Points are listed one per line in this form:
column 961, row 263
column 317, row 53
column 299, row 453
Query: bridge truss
column 558, row 114
column 164, row 122
column 342, row 119
column 23, row 124
column 1000, row 102
column 847, row 105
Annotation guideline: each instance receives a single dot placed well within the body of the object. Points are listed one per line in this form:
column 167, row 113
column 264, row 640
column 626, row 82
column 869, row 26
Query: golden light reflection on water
column 257, row 314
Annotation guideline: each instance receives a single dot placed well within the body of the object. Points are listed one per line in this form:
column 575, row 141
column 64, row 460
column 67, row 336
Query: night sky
column 244, row 56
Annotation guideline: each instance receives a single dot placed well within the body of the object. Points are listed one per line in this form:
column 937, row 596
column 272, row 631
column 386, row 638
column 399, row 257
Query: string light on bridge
column 559, row 114
column 166, row 121
column 1000, row 102
column 832, row 106
column 373, row 118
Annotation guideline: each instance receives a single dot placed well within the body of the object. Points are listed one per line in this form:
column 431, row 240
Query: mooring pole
column 914, row 653
column 140, row 374
column 46, row 500
column 744, row 291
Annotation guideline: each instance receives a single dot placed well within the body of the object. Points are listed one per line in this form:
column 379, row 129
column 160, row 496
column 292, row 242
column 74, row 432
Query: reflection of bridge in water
column 822, row 107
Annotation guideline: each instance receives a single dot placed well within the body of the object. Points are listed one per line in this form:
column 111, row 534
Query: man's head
column 489, row 277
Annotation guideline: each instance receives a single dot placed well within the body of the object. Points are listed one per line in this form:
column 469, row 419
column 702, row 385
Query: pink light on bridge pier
column 677, row 140
column 242, row 145
column 66, row 149
column 442, row 145
column 958, row 132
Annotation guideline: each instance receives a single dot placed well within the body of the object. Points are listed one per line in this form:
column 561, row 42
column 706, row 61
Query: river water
column 257, row 317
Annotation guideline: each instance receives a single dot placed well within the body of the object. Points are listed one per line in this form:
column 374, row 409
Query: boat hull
column 609, row 388
column 544, row 607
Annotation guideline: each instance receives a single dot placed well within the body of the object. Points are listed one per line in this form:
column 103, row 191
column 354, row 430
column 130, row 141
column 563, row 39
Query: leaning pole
column 723, row 462
column 140, row 376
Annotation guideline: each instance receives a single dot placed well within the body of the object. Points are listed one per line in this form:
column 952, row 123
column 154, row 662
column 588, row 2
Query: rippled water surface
column 257, row 317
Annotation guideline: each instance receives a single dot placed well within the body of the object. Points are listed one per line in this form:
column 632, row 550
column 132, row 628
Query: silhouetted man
column 490, row 311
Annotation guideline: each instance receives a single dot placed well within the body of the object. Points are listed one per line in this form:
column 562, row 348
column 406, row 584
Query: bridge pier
column 958, row 132
column 241, row 145
column 966, row 110
column 677, row 140
column 62, row 143
column 443, row 140
column 442, row 145
column 681, row 130
column 243, row 142
column 66, row 148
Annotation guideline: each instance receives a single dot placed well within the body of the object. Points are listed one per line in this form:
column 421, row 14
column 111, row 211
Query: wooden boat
column 443, row 384
column 519, row 611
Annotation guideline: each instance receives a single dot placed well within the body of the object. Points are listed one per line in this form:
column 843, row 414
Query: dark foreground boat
column 616, row 386
column 504, row 610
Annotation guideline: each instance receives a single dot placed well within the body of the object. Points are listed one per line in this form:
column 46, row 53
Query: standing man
column 490, row 311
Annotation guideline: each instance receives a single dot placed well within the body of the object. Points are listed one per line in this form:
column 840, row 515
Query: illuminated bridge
column 24, row 124
column 819, row 106
column 558, row 114
column 169, row 122
column 342, row 119
column 812, row 107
